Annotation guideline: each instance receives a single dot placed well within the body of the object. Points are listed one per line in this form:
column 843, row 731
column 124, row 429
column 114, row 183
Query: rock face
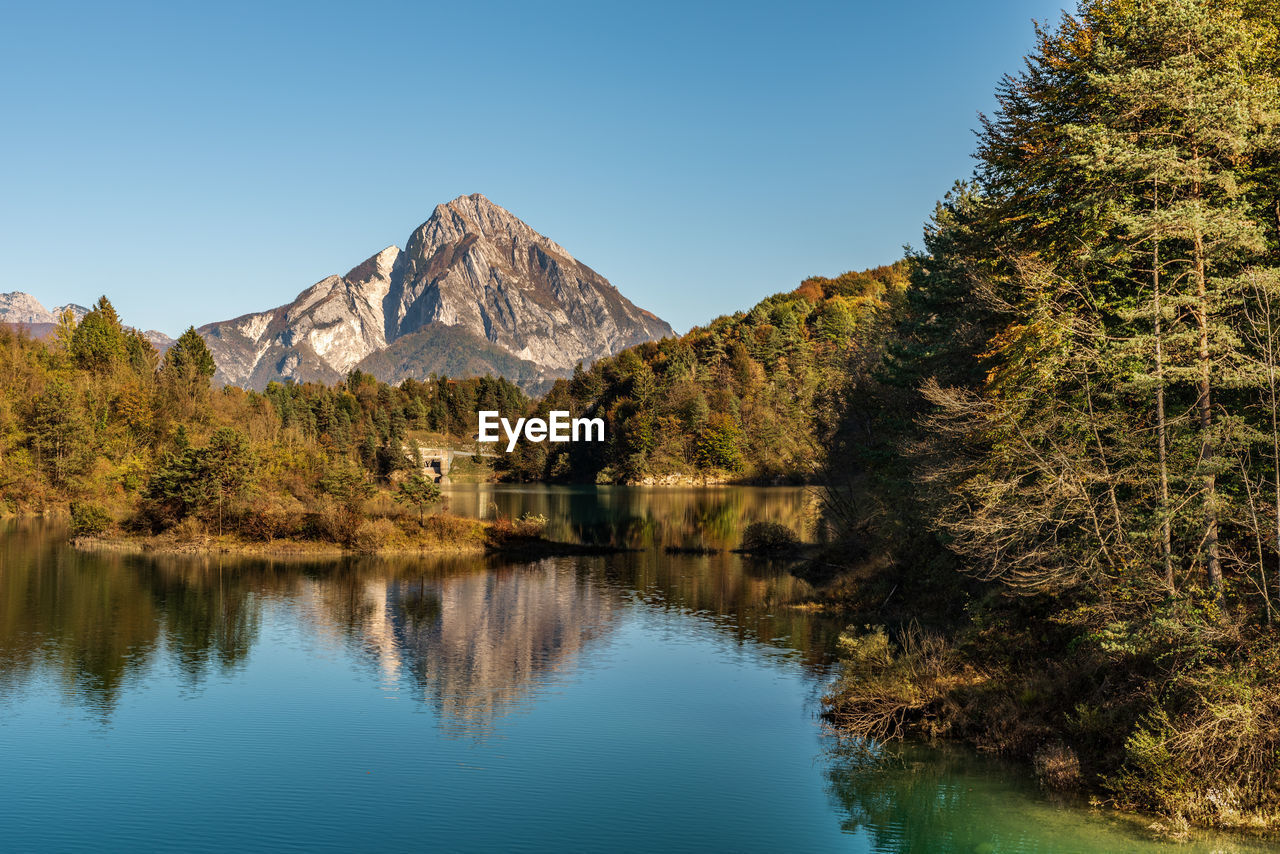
column 325, row 332
column 18, row 307
column 475, row 291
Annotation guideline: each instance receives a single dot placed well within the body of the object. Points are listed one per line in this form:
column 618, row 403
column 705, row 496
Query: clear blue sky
column 199, row 161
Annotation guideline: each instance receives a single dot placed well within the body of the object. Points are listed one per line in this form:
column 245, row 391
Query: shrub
column 266, row 520
column 189, row 530
column 886, row 694
column 339, row 524
column 769, row 538
column 526, row 525
column 452, row 528
column 530, row 525
column 1057, row 767
column 374, row 534
column 1212, row 761
column 88, row 520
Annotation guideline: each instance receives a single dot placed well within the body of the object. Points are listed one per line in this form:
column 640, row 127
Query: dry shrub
column 189, row 530
column 374, row 534
column 525, row 525
column 769, row 538
column 1057, row 767
column 336, row 523
column 530, row 525
column 885, row 693
column 1216, row 761
column 453, row 529
column 270, row 519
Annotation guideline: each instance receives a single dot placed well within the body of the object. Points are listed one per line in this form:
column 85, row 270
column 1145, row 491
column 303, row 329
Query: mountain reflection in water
column 472, row 645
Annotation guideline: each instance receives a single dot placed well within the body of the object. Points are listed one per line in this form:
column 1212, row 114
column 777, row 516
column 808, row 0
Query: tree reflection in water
column 100, row 620
column 642, row 517
column 472, row 637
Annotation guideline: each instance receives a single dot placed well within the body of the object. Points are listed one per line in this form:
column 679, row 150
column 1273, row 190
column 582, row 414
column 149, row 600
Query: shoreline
column 160, row 545
column 488, row 542
column 936, row 690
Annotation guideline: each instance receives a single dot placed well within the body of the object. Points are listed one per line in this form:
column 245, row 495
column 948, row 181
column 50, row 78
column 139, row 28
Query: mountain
column 475, row 291
column 22, row 309
column 320, row 336
column 19, row 307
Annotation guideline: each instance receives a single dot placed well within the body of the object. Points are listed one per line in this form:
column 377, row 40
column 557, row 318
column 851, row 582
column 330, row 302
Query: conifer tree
column 1118, row 169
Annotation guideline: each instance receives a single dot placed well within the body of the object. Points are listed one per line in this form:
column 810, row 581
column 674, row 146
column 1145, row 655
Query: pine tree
column 1177, row 118
column 1116, row 172
column 99, row 341
column 185, row 373
column 58, row 432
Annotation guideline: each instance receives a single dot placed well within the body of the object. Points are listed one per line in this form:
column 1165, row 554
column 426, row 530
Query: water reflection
column 641, row 517
column 471, row 645
column 681, row 686
column 470, row 637
column 97, row 620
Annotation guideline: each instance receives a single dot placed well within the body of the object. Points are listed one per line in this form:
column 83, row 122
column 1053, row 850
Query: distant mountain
column 22, row 309
column 475, row 291
column 18, row 307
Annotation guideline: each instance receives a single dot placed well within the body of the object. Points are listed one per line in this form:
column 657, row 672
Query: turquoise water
column 634, row 702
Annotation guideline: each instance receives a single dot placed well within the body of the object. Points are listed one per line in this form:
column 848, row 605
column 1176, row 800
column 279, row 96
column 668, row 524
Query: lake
column 631, row 702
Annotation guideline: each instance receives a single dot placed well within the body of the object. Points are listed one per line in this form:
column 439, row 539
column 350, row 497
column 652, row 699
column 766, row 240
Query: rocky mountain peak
column 475, row 290
column 476, row 216
column 377, row 267
column 21, row 307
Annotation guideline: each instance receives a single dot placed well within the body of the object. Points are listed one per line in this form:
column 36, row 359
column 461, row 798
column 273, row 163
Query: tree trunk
column 1275, row 415
column 1213, row 563
column 1166, row 524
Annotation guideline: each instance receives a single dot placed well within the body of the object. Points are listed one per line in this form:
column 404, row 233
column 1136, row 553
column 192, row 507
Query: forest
column 94, row 419
column 1059, row 489
column 750, row 397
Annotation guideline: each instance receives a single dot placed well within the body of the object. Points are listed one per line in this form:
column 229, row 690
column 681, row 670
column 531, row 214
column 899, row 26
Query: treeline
column 94, row 416
column 751, row 396
column 1071, row 451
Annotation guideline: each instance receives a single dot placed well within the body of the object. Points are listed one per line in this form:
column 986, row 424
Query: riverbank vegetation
column 1067, row 465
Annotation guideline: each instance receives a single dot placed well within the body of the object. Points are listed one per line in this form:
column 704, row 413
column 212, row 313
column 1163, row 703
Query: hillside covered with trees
column 750, row 397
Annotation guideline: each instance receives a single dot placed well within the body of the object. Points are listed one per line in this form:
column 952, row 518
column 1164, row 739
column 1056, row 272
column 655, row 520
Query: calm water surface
column 635, row 702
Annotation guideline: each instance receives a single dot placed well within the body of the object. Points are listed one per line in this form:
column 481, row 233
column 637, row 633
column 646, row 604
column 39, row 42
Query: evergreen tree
column 58, row 432
column 419, row 492
column 99, row 341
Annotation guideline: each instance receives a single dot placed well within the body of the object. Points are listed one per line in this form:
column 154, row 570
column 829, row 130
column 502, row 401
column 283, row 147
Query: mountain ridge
column 525, row 304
